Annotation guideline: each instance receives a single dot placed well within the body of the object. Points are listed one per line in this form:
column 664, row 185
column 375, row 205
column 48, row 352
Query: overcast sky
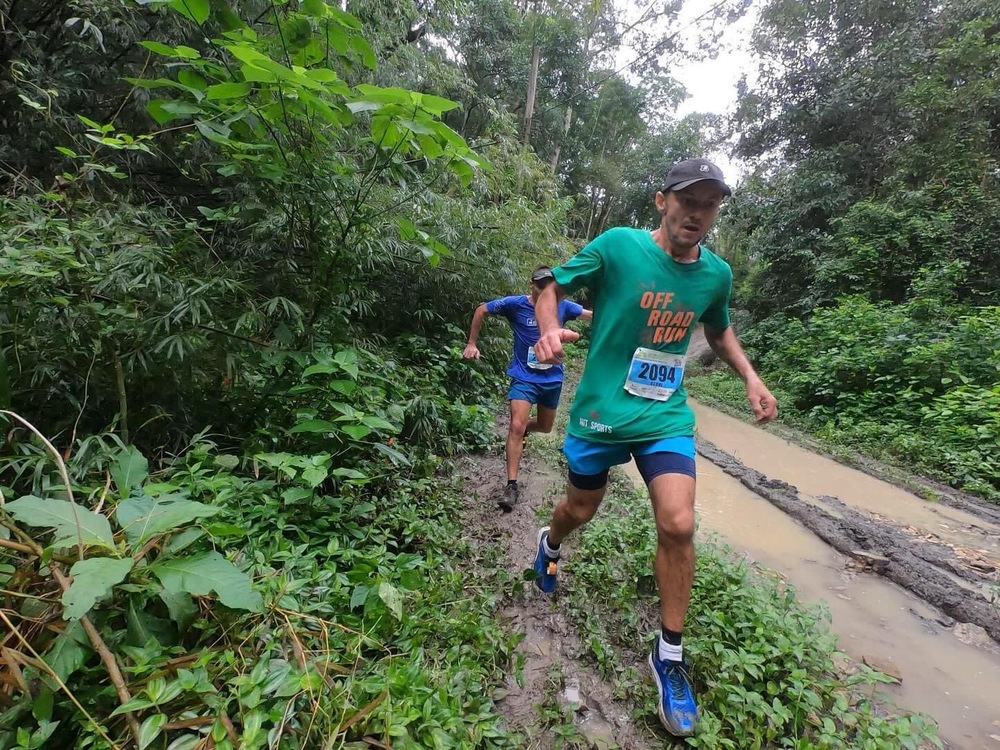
column 711, row 84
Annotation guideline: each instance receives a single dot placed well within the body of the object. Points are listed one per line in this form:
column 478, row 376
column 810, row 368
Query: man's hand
column 762, row 401
column 471, row 351
column 549, row 349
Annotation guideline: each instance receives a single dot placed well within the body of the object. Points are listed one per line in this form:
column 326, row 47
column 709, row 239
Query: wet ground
column 907, row 581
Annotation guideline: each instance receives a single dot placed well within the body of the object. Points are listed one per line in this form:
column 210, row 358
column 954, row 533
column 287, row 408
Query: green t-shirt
column 643, row 298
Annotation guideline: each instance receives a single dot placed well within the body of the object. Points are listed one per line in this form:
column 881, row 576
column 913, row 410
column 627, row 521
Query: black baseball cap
column 690, row 171
column 542, row 274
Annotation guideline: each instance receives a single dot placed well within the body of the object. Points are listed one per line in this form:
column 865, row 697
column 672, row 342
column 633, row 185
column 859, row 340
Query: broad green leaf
column 68, row 652
column 195, row 10
column 93, row 528
column 202, row 574
column 384, row 95
column 41, row 707
column 141, row 627
column 183, row 540
column 359, row 595
column 182, row 608
column 151, row 729
column 357, row 431
column 228, row 90
column 93, row 579
column 315, row 425
column 194, row 81
column 159, row 48
column 433, row 104
column 377, row 423
column 188, row 53
column 323, row 75
column 143, row 517
column 314, row 476
column 315, row 8
column 399, row 459
column 392, row 598
column 129, row 470
column 227, row 461
column 320, row 369
column 363, row 106
column 294, row 495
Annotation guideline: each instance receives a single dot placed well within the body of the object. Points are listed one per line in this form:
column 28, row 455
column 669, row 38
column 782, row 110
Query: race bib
column 533, row 362
column 654, row 374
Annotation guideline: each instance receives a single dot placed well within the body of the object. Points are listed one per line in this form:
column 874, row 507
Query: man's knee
column 675, row 526
column 580, row 510
column 518, row 425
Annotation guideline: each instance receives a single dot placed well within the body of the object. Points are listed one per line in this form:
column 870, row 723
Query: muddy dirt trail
column 553, row 674
column 907, row 581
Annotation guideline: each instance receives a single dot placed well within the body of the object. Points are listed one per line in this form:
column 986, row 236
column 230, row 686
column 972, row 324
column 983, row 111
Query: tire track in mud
column 926, row 569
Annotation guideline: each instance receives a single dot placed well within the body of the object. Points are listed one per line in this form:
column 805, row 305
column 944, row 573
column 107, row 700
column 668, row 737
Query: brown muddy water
column 955, row 682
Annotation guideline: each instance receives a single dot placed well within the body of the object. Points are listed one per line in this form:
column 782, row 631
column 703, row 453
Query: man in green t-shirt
column 650, row 289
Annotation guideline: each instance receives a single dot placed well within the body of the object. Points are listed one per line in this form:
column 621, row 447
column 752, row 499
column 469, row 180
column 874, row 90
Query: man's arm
column 725, row 344
column 587, row 314
column 471, row 350
column 552, row 336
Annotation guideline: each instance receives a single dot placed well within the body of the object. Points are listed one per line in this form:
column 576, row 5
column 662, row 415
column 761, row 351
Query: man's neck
column 680, row 254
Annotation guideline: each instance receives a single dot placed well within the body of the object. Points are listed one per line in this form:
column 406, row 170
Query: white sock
column 549, row 552
column 669, row 652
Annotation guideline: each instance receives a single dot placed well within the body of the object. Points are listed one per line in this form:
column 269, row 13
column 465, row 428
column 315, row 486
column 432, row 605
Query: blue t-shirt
column 520, row 312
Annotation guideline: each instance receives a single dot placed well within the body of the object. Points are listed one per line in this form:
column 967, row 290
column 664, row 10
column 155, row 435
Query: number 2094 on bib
column 654, row 375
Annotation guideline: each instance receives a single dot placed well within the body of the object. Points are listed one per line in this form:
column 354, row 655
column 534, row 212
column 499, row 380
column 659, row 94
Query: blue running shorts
column 544, row 394
column 590, row 462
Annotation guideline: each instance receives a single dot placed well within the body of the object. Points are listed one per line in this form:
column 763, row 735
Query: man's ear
column 661, row 201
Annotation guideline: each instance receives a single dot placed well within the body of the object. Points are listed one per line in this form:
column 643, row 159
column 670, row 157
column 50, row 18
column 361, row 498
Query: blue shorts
column 590, row 462
column 545, row 395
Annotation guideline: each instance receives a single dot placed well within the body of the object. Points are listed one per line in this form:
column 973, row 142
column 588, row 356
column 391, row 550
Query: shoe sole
column 506, row 506
column 659, row 701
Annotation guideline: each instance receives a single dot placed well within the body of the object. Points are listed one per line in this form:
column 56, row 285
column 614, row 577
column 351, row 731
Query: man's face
column 687, row 214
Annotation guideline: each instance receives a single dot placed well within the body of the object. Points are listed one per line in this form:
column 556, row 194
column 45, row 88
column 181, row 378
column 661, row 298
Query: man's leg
column 672, row 494
column 588, row 479
column 519, row 413
column 544, row 420
column 548, row 402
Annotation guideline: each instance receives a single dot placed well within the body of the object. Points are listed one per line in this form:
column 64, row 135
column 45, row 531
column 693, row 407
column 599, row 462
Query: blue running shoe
column 545, row 566
column 677, row 708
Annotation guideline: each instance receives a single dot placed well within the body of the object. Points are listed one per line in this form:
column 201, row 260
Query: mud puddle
column 816, row 476
column 949, row 671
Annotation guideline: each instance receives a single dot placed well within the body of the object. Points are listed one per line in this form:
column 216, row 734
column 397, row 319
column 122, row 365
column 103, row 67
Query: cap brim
column 681, row 185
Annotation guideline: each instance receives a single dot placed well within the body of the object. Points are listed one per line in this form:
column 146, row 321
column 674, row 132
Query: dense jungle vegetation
column 240, row 239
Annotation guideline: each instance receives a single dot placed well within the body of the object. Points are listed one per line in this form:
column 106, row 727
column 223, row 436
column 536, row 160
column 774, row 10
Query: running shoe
column 509, row 498
column 545, row 566
column 677, row 708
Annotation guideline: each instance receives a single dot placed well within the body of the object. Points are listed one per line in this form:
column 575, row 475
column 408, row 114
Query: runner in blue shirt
column 531, row 381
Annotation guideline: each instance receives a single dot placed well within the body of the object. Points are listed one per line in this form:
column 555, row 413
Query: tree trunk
column 566, row 124
column 529, row 108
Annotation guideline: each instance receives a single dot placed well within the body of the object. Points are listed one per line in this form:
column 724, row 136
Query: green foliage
column 762, row 664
